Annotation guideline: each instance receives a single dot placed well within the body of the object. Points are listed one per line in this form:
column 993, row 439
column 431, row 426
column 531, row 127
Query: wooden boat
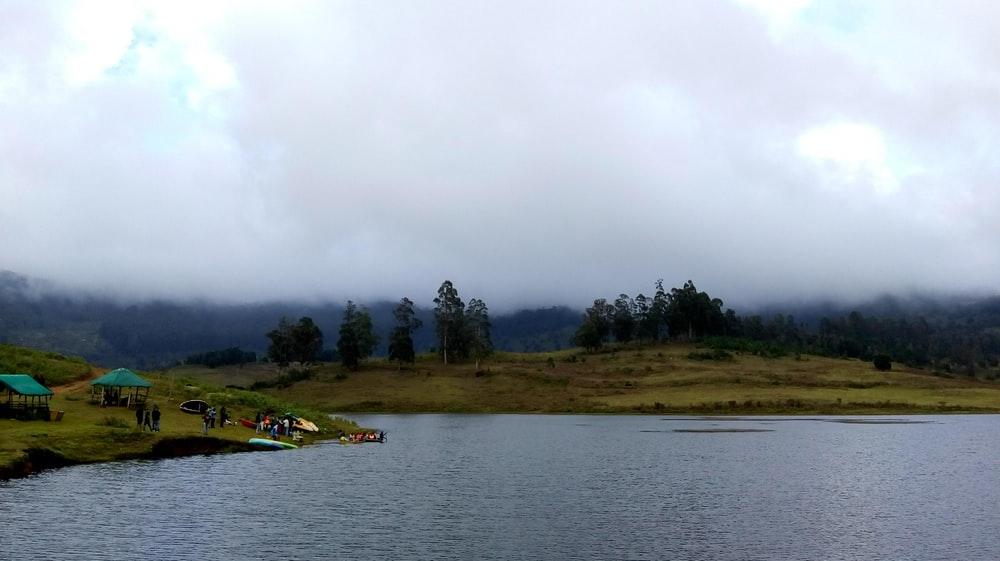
column 268, row 443
column 248, row 423
column 194, row 406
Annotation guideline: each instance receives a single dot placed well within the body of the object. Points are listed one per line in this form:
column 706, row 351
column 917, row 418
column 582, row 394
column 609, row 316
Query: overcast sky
column 532, row 152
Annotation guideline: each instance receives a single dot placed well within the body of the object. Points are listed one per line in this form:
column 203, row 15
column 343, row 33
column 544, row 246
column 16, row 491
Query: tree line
column 680, row 313
column 965, row 341
column 224, row 357
column 463, row 333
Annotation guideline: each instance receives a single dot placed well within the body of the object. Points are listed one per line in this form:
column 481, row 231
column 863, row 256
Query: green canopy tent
column 120, row 388
column 26, row 398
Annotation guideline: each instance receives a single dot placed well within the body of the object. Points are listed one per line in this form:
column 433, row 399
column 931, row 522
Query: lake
column 533, row 487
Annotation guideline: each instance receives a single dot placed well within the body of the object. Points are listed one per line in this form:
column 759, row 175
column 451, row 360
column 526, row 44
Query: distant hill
column 160, row 333
column 957, row 334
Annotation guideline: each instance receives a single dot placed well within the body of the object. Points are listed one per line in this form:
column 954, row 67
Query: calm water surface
column 540, row 487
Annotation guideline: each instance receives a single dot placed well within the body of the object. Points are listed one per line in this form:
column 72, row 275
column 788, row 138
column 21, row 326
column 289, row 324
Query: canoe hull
column 268, row 443
column 194, row 406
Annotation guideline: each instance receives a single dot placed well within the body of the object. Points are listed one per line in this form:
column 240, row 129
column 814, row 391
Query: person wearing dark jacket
column 138, row 415
column 156, row 418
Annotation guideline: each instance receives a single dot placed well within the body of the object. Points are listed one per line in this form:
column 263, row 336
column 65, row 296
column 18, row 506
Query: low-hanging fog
column 532, row 153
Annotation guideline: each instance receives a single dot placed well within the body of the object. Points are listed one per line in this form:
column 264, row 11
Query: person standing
column 156, row 418
column 204, row 421
column 287, row 425
column 223, row 415
column 138, row 416
column 211, row 417
column 147, row 421
column 259, row 419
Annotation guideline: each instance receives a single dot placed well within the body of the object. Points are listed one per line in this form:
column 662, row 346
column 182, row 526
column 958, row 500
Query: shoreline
column 41, row 459
column 718, row 410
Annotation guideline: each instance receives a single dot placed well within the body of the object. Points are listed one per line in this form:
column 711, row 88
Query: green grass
column 662, row 379
column 55, row 368
column 89, row 433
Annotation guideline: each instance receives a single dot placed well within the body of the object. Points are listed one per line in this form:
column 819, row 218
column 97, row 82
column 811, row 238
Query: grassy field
column 55, row 368
column 89, row 433
column 662, row 379
column 665, row 379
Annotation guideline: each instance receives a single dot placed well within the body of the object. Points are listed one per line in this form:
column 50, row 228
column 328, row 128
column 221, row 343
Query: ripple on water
column 536, row 487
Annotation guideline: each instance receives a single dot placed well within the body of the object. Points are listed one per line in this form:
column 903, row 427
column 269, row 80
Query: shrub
column 715, row 354
column 883, row 363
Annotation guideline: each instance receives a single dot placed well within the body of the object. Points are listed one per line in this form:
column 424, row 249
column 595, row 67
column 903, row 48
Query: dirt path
column 76, row 384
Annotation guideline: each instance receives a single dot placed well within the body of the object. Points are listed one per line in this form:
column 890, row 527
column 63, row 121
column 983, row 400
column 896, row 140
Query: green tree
column 588, row 336
column 882, row 362
column 623, row 319
column 281, row 350
column 449, row 320
column 357, row 337
column 659, row 310
column 401, row 339
column 307, row 341
column 647, row 324
column 691, row 313
column 477, row 325
column 596, row 325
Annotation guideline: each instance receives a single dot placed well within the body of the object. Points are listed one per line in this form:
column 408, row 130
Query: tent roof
column 23, row 384
column 121, row 378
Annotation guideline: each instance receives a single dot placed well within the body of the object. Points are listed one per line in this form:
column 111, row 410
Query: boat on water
column 194, row 406
column 363, row 439
column 268, row 443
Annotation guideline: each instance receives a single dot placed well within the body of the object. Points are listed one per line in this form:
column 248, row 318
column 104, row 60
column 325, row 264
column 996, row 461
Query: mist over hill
column 157, row 333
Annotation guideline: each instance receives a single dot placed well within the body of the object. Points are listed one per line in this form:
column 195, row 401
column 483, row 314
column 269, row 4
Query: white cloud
column 850, row 153
column 535, row 153
column 98, row 36
column 779, row 14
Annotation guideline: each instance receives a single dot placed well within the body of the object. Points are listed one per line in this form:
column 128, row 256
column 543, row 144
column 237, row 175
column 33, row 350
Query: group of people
column 147, row 418
column 274, row 426
column 209, row 416
column 110, row 397
column 366, row 437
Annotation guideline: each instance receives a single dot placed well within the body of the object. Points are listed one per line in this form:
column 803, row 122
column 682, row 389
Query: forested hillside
column 959, row 335
column 158, row 333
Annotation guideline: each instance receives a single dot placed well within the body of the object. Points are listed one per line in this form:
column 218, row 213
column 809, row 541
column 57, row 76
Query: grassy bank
column 664, row 379
column 88, row 433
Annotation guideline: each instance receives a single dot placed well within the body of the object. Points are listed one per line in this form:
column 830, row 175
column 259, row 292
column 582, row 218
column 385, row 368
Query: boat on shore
column 194, row 406
column 298, row 423
column 275, row 444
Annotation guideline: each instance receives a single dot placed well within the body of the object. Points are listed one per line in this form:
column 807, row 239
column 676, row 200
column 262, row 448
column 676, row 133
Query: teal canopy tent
column 26, row 398
column 120, row 388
